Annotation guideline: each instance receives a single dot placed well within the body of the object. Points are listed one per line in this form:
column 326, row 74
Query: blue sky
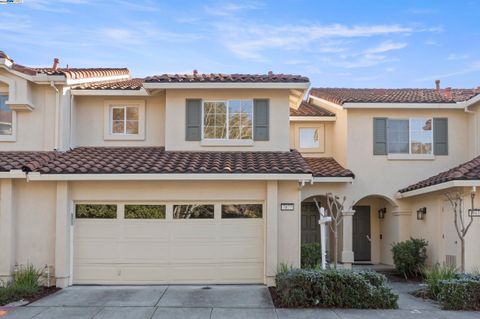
column 348, row 43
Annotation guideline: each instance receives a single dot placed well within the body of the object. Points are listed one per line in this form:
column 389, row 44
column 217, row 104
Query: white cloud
column 228, row 9
column 386, row 46
column 455, row 57
column 52, row 6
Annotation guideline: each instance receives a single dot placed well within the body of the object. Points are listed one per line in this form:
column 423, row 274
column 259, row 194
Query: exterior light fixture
column 421, row 213
column 382, row 212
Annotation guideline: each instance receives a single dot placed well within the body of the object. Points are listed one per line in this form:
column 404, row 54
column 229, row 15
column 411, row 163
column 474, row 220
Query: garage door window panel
column 193, row 211
column 95, row 211
column 145, row 211
column 242, row 211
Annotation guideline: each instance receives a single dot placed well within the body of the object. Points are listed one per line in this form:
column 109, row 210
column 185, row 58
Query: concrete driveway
column 188, row 302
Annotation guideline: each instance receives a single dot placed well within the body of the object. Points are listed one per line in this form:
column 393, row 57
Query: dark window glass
column 144, row 211
column 193, row 211
column 242, row 211
column 96, row 211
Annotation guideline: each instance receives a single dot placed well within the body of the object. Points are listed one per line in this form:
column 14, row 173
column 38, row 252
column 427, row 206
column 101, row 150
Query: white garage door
column 168, row 243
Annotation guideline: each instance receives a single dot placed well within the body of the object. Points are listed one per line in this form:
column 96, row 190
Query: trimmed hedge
column 461, row 293
column 334, row 288
column 311, row 255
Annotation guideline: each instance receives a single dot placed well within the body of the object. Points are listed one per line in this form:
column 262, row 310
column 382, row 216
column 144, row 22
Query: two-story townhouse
column 392, row 138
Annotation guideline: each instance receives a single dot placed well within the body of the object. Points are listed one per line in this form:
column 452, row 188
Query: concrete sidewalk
column 198, row 302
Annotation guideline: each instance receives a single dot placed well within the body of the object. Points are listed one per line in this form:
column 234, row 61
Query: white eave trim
column 438, row 187
column 157, row 177
column 13, row 174
column 313, row 118
column 86, row 92
column 228, row 85
column 334, row 105
column 333, row 180
column 403, row 106
column 98, row 79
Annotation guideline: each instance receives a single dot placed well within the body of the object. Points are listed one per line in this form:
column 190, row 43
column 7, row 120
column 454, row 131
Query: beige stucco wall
column 279, row 118
column 90, row 121
column 35, row 129
column 474, row 130
column 327, row 137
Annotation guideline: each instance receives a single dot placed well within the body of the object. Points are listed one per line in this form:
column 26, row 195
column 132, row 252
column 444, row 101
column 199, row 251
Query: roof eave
column 86, row 92
column 387, row 105
column 342, row 179
column 312, row 118
column 438, row 187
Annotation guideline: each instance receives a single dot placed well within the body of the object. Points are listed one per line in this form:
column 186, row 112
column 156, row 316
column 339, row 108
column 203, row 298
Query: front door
column 310, row 226
column 361, row 233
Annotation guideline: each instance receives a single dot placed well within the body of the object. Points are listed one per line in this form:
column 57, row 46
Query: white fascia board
column 98, row 79
column 333, row 180
column 335, row 105
column 472, row 101
column 313, row 118
column 13, row 174
column 438, row 187
column 221, row 85
column 403, row 106
column 159, row 177
column 141, row 92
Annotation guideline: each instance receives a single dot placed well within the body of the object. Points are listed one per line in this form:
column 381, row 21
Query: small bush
column 433, row 276
column 311, row 255
column 409, row 256
column 24, row 284
column 334, row 288
column 462, row 293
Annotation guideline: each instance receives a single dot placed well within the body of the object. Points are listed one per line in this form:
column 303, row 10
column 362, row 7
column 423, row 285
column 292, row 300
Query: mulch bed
column 41, row 293
column 275, row 298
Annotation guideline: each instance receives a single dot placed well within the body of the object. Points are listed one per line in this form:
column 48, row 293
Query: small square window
column 309, row 137
column 6, row 117
column 124, row 121
column 193, row 211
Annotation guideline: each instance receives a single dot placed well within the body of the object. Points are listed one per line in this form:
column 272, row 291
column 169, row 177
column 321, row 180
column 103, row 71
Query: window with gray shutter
column 380, row 136
column 440, row 136
column 261, row 120
column 193, row 120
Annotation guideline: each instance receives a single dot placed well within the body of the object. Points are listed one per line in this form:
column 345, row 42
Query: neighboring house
column 200, row 178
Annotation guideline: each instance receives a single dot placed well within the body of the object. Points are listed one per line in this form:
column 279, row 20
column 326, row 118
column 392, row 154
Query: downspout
column 475, row 127
column 57, row 114
column 71, row 122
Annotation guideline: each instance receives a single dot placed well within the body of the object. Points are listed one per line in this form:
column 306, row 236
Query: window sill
column 411, row 157
column 227, row 143
column 136, row 137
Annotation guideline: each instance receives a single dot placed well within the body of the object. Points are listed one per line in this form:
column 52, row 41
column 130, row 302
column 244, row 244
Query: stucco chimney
column 195, row 72
column 270, row 73
column 437, row 84
column 56, row 62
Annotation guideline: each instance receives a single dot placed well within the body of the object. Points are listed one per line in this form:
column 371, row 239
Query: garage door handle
column 369, row 239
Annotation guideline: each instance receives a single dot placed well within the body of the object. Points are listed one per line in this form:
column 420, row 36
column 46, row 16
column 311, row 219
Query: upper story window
column 309, row 137
column 125, row 120
column 228, row 120
column 7, row 120
column 410, row 136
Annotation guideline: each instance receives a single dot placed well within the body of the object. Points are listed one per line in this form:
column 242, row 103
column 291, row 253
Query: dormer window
column 7, row 120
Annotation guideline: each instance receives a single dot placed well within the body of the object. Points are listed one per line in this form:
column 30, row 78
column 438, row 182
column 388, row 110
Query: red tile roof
column 308, row 109
column 149, row 160
column 19, row 160
column 73, row 73
column 327, row 167
column 226, row 78
column 132, row 84
column 346, row 95
column 466, row 171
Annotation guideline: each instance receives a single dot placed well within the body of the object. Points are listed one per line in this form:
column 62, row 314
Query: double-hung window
column 228, row 120
column 410, row 136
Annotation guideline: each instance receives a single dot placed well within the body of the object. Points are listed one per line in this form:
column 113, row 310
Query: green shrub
column 409, row 256
column 311, row 255
column 460, row 294
column 24, row 284
column 433, row 276
column 334, row 288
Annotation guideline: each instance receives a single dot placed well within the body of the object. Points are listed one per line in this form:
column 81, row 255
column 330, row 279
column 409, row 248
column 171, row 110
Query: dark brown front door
column 310, row 226
column 361, row 233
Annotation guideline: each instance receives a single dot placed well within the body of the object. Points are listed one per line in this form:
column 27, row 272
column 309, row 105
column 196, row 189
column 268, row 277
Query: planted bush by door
column 300, row 288
column 409, row 256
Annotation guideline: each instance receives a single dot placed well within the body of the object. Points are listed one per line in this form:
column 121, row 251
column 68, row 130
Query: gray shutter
column 440, row 136
column 261, row 121
column 193, row 120
column 380, row 136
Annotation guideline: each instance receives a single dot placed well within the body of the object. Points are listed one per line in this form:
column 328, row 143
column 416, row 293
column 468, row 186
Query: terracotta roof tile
column 347, row 95
column 308, row 109
column 132, row 84
column 466, row 171
column 24, row 160
column 148, row 160
column 227, row 78
column 327, row 167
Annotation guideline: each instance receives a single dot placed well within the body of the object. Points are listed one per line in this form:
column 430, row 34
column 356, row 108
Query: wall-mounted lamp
column 421, row 213
column 382, row 212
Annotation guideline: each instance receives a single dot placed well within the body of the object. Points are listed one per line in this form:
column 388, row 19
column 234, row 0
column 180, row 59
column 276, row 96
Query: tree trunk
column 462, row 255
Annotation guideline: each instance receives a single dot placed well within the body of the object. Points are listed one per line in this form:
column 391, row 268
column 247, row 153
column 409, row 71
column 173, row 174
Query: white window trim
column 321, row 138
column 12, row 137
column 107, row 133
column 410, row 155
column 227, row 141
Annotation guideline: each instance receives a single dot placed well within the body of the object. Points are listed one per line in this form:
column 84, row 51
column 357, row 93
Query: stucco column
column 62, row 236
column 7, row 229
column 347, row 247
column 271, row 247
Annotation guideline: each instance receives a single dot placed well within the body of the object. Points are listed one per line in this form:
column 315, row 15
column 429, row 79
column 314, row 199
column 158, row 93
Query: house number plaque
column 287, row 207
